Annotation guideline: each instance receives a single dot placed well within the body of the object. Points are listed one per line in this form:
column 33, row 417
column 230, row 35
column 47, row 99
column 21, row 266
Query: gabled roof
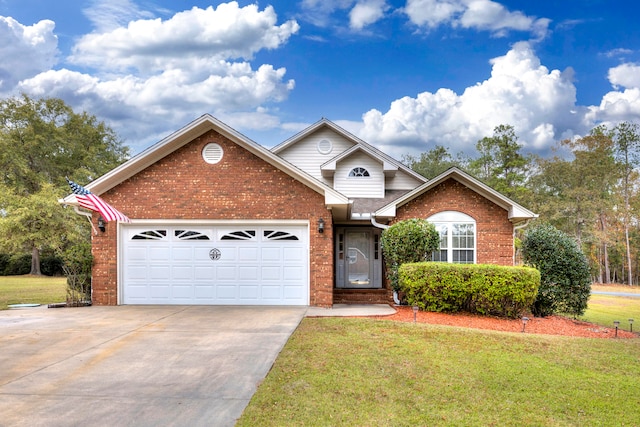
column 388, row 162
column 517, row 213
column 329, row 167
column 187, row 134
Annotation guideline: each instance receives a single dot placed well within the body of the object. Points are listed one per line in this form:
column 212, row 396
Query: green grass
column 31, row 290
column 604, row 309
column 366, row 372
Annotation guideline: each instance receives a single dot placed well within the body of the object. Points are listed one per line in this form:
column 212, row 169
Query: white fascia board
column 333, row 198
column 70, row 200
column 157, row 151
column 389, row 169
column 515, row 211
column 388, row 211
column 518, row 213
column 358, row 143
column 300, row 135
column 188, row 133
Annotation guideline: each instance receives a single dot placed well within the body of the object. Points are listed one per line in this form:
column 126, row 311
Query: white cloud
column 521, row 92
column 155, row 75
column 228, row 32
column 107, row 15
column 432, row 13
column 320, row 12
column 25, row 50
column 172, row 97
column 367, row 12
column 477, row 14
column 618, row 52
column 361, row 13
column 625, row 75
column 617, row 106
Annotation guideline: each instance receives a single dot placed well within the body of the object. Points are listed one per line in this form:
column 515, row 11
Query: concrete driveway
column 136, row 365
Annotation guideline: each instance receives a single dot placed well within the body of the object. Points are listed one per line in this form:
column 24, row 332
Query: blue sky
column 403, row 75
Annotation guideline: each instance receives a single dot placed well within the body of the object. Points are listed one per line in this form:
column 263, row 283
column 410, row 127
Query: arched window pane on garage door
column 190, row 235
column 150, row 235
column 279, row 235
column 457, row 237
column 239, row 235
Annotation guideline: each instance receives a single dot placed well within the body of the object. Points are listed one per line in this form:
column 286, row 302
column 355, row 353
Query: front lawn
column 604, row 309
column 368, row 372
column 32, row 290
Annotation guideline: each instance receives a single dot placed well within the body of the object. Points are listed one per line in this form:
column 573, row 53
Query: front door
column 358, row 258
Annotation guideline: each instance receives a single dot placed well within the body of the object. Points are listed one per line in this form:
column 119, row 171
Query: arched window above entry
column 457, row 237
column 358, row 173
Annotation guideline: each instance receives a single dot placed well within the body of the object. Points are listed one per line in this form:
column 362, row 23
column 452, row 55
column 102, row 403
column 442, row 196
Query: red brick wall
column 241, row 186
column 494, row 231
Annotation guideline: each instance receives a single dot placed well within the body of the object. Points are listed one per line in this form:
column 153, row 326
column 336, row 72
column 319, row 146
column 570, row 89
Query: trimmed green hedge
column 491, row 290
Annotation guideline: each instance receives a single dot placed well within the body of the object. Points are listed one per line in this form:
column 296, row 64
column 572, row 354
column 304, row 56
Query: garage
column 217, row 264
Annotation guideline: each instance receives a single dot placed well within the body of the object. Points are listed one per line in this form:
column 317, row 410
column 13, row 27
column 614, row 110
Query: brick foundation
column 362, row 296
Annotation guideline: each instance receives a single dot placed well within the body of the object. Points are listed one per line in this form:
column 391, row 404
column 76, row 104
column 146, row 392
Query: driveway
column 136, row 365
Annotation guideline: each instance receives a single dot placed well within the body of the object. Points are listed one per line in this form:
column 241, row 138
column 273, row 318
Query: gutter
column 377, row 224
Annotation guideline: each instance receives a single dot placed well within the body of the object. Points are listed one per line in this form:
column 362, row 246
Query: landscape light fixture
column 524, row 322
column 321, row 225
column 630, row 325
column 617, row 324
column 102, row 225
column 415, row 313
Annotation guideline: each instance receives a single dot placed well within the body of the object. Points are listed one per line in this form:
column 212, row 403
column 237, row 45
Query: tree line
column 43, row 141
column 589, row 189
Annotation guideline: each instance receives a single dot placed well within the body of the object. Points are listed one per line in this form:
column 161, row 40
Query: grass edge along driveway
column 376, row 372
column 30, row 289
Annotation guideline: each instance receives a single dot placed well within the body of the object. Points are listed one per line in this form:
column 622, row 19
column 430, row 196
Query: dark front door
column 358, row 258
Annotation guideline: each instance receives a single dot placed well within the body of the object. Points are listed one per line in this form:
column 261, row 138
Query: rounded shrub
column 411, row 240
column 564, row 271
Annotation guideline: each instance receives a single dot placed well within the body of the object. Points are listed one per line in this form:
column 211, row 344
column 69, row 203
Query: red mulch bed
column 551, row 325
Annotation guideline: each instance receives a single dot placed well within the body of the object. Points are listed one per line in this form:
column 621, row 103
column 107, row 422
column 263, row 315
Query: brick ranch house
column 219, row 219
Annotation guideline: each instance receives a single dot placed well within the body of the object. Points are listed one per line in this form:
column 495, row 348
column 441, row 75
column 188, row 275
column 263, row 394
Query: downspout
column 376, row 224
column 516, row 228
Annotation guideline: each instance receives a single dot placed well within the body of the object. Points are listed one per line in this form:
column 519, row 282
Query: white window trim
column 368, row 176
column 450, row 218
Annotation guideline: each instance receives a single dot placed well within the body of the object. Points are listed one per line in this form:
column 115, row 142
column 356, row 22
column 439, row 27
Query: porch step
column 362, row 296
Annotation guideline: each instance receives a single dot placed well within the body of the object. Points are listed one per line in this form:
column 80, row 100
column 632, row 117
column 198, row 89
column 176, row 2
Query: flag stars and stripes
column 90, row 201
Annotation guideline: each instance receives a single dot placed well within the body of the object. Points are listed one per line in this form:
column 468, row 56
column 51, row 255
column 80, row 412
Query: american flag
column 90, row 201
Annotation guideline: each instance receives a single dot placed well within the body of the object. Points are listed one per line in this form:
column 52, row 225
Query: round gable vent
column 324, row 146
column 212, row 153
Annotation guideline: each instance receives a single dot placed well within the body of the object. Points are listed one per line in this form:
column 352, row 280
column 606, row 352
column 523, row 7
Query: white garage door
column 230, row 264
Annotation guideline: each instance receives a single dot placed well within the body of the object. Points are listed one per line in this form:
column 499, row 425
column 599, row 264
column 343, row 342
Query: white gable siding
column 359, row 187
column 402, row 181
column 305, row 155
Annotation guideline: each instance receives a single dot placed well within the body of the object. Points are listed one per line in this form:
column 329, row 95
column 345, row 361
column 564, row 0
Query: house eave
column 187, row 134
column 390, row 165
column 516, row 213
